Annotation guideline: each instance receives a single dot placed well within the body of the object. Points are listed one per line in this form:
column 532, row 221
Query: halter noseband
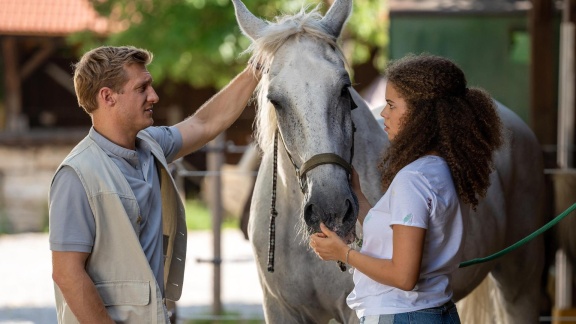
column 317, row 160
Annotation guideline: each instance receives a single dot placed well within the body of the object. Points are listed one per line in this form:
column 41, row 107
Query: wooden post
column 567, row 85
column 215, row 160
column 564, row 192
column 13, row 85
column 542, row 78
column 565, row 189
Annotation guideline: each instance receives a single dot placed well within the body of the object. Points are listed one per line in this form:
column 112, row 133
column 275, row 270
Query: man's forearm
column 218, row 113
column 226, row 106
column 83, row 299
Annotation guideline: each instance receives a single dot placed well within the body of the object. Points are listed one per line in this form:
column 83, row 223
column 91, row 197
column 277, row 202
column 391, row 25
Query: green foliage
column 5, row 226
column 368, row 27
column 226, row 317
column 198, row 217
column 199, row 42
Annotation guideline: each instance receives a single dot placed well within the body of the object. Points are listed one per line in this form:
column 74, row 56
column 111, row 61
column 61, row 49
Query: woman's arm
column 402, row 271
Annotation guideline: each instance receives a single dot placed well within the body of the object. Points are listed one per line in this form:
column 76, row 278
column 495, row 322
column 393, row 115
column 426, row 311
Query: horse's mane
column 263, row 49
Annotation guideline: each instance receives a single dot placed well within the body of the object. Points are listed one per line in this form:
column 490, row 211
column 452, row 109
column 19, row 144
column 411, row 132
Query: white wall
column 25, row 175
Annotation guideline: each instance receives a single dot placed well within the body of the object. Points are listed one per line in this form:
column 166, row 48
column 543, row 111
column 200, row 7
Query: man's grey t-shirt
column 72, row 225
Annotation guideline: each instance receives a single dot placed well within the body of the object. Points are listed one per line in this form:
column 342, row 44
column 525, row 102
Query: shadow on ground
column 36, row 315
column 232, row 313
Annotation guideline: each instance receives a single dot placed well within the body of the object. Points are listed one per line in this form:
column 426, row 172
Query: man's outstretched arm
column 218, row 113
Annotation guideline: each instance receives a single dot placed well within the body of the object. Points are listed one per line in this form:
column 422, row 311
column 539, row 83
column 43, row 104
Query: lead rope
column 273, row 212
column 522, row 241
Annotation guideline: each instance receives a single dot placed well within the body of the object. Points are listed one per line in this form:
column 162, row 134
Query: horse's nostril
column 309, row 217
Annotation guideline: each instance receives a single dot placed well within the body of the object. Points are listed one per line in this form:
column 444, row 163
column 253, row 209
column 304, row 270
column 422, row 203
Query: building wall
column 25, row 175
column 493, row 50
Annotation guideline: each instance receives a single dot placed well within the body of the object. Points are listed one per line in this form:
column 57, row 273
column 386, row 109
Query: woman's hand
column 328, row 245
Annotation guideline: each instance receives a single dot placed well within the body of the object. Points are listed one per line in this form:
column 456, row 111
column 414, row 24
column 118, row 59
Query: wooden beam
column 63, row 78
column 569, row 11
column 12, row 82
column 46, row 49
column 543, row 110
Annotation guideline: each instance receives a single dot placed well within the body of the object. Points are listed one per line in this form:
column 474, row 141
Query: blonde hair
column 104, row 67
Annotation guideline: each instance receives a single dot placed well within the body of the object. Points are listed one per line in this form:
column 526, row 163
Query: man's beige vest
column 117, row 265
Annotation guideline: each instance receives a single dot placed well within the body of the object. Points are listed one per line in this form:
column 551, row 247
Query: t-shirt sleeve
column 71, row 221
column 169, row 139
column 411, row 199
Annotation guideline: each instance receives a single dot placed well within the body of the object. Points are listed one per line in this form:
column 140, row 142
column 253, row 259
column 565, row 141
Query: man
column 117, row 228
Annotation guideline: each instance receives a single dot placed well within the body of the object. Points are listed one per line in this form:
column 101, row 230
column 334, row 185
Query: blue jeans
column 445, row 314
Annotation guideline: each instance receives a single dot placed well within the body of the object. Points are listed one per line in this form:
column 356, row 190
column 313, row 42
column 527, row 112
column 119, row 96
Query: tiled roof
column 49, row 17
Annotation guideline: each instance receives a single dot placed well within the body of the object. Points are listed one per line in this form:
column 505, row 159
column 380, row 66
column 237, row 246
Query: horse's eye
column 275, row 103
column 345, row 92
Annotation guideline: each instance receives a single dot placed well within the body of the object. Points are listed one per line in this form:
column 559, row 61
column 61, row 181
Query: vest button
column 139, row 219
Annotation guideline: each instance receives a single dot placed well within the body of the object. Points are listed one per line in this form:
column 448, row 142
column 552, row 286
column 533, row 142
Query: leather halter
column 322, row 158
column 314, row 161
column 318, row 160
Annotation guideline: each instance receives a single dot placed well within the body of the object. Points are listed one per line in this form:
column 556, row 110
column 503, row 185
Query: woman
column 443, row 135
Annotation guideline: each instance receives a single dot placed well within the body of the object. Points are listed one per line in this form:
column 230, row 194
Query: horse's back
column 512, row 209
column 520, row 168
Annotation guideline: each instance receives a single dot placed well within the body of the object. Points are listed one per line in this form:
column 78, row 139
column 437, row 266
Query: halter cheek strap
column 314, row 161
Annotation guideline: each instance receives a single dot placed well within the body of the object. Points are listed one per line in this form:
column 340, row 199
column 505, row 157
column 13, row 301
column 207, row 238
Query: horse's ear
column 336, row 17
column 250, row 25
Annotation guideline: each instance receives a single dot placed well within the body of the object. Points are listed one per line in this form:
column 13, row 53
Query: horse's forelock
column 266, row 122
column 263, row 49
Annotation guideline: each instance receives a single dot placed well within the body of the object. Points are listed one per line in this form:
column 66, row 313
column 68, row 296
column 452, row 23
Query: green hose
column 522, row 241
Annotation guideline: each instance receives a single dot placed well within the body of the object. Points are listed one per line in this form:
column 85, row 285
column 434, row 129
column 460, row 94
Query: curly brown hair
column 443, row 115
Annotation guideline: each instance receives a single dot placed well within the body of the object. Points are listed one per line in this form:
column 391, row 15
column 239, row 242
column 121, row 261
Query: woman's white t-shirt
column 422, row 194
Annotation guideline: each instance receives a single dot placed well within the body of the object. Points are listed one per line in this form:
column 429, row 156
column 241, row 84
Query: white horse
column 305, row 98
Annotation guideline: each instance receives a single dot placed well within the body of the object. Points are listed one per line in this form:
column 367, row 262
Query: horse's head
column 304, row 94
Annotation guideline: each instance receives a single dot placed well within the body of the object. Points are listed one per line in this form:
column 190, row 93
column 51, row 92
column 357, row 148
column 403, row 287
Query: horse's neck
column 370, row 141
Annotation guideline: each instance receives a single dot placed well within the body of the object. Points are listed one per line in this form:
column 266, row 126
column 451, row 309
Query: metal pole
column 215, row 159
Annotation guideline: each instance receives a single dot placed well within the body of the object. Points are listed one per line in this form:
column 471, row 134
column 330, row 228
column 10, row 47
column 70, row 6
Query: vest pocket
column 124, row 292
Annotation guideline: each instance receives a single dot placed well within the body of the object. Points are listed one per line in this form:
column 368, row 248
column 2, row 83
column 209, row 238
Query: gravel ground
column 27, row 294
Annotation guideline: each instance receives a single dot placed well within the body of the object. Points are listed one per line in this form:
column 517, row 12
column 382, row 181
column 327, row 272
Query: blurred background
column 522, row 52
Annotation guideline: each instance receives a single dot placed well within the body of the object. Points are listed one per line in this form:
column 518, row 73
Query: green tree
column 199, row 42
